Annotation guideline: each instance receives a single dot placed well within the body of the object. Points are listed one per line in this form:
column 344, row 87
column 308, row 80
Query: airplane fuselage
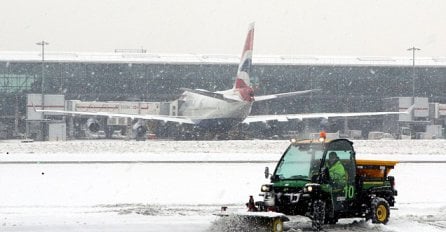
column 212, row 113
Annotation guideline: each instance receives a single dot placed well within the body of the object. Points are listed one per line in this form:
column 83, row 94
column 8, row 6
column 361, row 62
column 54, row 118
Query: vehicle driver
column 338, row 175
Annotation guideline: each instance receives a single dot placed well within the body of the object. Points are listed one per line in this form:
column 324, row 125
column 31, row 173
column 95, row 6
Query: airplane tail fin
column 242, row 82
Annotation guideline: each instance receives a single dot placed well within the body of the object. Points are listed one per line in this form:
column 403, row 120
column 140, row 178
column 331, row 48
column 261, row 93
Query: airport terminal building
column 348, row 84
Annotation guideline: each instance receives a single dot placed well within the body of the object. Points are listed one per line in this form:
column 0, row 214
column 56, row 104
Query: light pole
column 43, row 43
column 413, row 49
column 42, row 84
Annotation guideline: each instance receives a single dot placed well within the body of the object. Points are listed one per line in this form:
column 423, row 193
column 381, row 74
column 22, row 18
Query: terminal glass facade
column 343, row 88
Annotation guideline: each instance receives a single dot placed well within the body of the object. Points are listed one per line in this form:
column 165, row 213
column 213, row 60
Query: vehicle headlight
column 310, row 188
column 265, row 188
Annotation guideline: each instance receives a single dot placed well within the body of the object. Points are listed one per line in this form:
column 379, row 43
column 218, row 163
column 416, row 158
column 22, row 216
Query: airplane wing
column 281, row 95
column 286, row 117
column 164, row 118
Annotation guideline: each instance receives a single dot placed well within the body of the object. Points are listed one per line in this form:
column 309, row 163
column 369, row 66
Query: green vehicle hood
column 290, row 183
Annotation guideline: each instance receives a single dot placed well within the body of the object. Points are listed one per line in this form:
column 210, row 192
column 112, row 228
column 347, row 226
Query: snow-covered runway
column 181, row 196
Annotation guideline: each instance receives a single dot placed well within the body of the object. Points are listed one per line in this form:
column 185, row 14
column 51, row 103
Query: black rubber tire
column 380, row 211
column 318, row 215
column 328, row 219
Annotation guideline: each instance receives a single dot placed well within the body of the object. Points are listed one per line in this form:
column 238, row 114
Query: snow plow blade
column 252, row 221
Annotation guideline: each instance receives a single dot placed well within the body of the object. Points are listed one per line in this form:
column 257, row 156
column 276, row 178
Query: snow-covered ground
column 112, row 185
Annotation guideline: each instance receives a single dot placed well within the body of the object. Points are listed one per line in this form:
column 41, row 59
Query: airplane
column 220, row 111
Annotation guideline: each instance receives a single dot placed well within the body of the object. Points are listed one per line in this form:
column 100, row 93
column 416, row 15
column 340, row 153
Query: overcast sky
column 283, row 27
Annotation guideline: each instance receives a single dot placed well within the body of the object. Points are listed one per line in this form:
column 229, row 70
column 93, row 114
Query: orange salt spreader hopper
column 374, row 169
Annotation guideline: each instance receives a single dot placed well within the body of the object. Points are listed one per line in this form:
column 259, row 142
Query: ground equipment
column 304, row 183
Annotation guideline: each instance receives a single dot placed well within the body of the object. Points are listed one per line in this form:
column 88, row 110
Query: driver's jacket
column 338, row 175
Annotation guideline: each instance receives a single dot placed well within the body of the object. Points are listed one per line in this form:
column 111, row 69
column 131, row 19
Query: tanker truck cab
column 306, row 182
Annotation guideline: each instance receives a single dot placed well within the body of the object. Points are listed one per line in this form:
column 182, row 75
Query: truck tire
column 318, row 215
column 329, row 218
column 380, row 211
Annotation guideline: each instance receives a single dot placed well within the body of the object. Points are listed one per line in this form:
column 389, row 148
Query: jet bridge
column 43, row 126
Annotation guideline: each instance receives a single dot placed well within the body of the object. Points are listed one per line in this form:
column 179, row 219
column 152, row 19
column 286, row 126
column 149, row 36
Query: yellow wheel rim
column 277, row 225
column 381, row 213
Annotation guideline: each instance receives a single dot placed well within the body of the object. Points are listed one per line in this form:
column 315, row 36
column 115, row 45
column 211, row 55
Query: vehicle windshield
column 300, row 162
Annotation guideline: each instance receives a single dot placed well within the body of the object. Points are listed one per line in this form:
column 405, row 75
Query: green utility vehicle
column 303, row 183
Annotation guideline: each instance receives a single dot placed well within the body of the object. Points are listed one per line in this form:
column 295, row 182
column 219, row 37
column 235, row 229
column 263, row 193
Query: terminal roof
column 126, row 57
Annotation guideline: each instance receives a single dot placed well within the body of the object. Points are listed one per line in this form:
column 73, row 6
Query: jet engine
column 139, row 130
column 92, row 125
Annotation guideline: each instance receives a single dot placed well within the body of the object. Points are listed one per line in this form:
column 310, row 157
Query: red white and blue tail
column 242, row 82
